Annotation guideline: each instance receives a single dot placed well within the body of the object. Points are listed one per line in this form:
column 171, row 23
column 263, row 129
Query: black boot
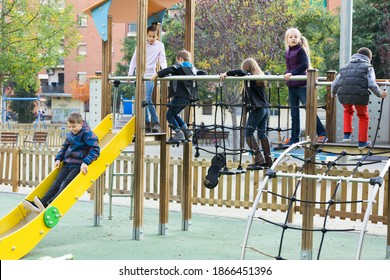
column 155, row 127
column 148, row 128
column 267, row 152
column 257, row 157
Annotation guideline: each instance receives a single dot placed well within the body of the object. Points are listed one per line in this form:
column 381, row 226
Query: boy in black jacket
column 181, row 92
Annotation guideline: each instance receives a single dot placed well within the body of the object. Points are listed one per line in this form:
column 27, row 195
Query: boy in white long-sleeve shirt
column 155, row 51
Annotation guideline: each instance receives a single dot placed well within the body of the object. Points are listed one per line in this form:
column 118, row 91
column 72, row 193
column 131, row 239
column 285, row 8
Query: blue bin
column 128, row 106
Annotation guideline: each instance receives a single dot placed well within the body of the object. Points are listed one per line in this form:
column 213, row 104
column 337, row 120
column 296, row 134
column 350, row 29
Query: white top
column 154, row 53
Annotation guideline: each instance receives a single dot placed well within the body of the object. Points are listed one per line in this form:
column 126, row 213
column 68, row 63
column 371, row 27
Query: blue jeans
column 257, row 119
column 64, row 177
column 296, row 94
column 150, row 109
column 175, row 107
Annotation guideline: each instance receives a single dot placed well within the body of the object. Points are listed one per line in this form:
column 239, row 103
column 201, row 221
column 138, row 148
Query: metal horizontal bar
column 216, row 78
column 322, row 177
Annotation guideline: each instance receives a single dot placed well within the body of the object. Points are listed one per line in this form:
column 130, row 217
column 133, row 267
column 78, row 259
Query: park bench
column 9, row 138
column 213, row 136
column 39, row 138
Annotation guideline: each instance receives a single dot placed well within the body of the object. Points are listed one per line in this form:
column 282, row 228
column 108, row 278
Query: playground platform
column 214, row 234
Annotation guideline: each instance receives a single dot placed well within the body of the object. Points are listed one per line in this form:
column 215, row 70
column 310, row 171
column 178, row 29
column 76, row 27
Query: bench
column 9, row 138
column 211, row 136
column 38, row 138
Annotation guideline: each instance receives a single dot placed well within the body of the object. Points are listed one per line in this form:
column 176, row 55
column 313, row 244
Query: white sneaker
column 31, row 206
column 39, row 203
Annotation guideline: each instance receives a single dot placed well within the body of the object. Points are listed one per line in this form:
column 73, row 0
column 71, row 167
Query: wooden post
column 330, row 109
column 187, row 150
column 106, row 109
column 139, row 152
column 15, row 174
column 164, row 164
column 308, row 186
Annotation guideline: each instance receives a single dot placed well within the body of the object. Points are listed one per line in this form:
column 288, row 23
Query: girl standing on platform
column 297, row 62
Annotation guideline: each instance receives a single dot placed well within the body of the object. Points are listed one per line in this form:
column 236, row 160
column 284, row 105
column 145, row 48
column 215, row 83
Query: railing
column 25, row 168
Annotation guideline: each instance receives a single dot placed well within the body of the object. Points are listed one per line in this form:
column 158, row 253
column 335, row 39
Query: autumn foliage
column 79, row 90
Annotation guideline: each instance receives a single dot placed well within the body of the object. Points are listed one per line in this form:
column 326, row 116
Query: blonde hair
column 302, row 42
column 74, row 118
column 250, row 65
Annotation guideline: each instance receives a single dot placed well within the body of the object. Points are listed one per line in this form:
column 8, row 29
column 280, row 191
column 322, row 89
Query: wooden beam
column 308, row 186
column 187, row 150
column 140, row 122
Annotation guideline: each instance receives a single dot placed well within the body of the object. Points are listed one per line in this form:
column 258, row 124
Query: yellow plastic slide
column 21, row 230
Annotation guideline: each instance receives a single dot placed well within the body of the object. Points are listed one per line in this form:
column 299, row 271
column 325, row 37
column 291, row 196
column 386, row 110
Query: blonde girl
column 297, row 62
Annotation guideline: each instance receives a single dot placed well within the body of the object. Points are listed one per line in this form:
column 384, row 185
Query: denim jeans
column 296, row 94
column 64, row 177
column 257, row 119
column 150, row 109
column 175, row 107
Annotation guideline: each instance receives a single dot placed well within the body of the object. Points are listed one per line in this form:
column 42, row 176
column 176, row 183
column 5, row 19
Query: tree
column 23, row 109
column 370, row 28
column 322, row 29
column 229, row 31
column 127, row 90
column 34, row 34
column 80, row 91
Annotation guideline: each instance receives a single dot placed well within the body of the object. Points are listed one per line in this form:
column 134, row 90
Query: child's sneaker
column 179, row 136
column 363, row 145
column 347, row 137
column 322, row 139
column 39, row 203
column 30, row 205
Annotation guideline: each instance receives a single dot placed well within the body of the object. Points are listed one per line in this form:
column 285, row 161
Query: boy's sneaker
column 179, row 136
column 30, row 205
column 363, row 145
column 39, row 203
column 188, row 134
column 347, row 137
column 322, row 139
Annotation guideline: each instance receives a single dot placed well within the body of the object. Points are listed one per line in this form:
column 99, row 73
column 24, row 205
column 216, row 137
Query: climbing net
column 221, row 151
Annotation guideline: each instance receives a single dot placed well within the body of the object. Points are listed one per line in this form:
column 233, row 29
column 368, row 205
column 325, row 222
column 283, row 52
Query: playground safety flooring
column 214, row 234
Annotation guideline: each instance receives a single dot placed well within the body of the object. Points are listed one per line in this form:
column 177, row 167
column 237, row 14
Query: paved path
column 211, row 237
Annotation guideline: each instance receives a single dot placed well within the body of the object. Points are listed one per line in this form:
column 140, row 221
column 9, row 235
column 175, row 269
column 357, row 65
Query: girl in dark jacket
column 257, row 104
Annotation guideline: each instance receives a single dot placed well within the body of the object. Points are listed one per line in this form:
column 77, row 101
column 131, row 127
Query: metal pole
column 345, row 32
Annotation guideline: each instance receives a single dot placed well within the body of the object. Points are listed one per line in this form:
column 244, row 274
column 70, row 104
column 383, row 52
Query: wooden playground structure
column 107, row 12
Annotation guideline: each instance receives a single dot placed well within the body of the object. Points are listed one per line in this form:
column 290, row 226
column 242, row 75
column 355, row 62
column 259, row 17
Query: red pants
column 364, row 119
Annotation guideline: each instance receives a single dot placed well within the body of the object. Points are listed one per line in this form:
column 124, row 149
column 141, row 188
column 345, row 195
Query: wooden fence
column 25, row 168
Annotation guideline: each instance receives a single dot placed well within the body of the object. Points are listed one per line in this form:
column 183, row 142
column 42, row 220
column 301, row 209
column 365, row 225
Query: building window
column 82, row 49
column 132, row 29
column 82, row 19
column 82, row 77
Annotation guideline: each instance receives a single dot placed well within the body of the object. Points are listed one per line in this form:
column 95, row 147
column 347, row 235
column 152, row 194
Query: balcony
column 54, row 88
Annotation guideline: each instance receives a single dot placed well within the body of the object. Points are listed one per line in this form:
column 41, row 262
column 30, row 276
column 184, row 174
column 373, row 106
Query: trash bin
column 128, row 106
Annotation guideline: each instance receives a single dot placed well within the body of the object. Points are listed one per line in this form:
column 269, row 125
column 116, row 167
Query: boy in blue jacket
column 181, row 92
column 79, row 150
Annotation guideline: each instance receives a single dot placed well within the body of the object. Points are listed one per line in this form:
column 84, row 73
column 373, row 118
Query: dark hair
column 152, row 28
column 365, row 51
